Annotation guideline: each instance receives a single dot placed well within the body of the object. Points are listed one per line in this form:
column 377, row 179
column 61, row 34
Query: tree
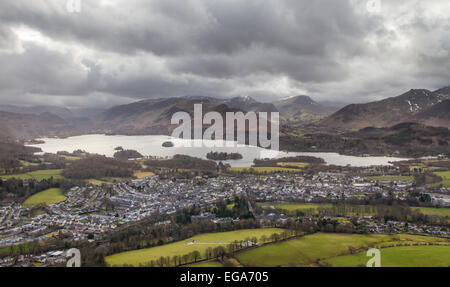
column 195, row 255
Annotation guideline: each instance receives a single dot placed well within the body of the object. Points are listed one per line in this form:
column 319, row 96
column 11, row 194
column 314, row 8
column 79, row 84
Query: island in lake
column 167, row 144
column 126, row 154
column 223, row 156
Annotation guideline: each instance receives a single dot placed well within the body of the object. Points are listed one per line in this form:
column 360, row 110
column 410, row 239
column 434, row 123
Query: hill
column 438, row 115
column 301, row 108
column 405, row 139
column 29, row 126
column 388, row 112
column 154, row 116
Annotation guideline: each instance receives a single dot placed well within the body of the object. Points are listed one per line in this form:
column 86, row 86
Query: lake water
column 152, row 146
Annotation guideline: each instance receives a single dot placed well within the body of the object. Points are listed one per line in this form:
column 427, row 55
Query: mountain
column 301, row 108
column 249, row 104
column 153, row 116
column 37, row 110
column 437, row 115
column 29, row 126
column 387, row 112
column 405, row 139
column 80, row 118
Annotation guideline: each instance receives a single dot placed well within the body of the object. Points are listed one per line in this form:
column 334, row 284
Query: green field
column 206, row 264
column 264, row 169
column 402, row 256
column 313, row 208
column 445, row 175
column 144, row 256
column 293, row 164
column 433, row 211
column 292, row 206
column 307, row 250
column 37, row 175
column 49, row 196
column 390, row 178
column 350, row 210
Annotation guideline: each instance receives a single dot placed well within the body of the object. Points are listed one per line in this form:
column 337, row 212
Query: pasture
column 47, row 197
column 390, row 178
column 402, row 256
column 445, row 175
column 433, row 211
column 143, row 174
column 349, row 210
column 37, row 175
column 263, row 169
column 293, row 164
column 180, row 248
column 307, row 250
column 206, row 264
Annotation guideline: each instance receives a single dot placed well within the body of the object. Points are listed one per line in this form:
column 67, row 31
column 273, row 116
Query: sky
column 111, row 52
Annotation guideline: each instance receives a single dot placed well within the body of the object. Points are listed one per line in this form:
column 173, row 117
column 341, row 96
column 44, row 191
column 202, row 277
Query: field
column 312, row 208
column 294, row 164
column 292, row 207
column 390, row 178
column 350, row 210
column 144, row 256
column 37, row 175
column 445, row 175
column 308, row 250
column 264, row 169
column 49, row 196
column 206, row 264
column 402, row 256
column 94, row 181
column 433, row 211
column 143, row 174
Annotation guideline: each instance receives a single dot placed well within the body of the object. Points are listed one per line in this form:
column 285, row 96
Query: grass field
column 292, row 207
column 143, row 174
column 402, row 256
column 37, row 175
column 94, row 181
column 294, row 164
column 433, row 211
column 206, row 264
column 264, row 169
column 312, row 208
column 144, row 256
column 307, row 250
column 350, row 210
column 49, row 196
column 445, row 175
column 390, row 178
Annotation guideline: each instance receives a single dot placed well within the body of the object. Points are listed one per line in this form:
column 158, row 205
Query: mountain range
column 152, row 116
column 421, row 106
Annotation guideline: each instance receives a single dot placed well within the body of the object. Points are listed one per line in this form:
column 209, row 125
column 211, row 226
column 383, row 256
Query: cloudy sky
column 118, row 51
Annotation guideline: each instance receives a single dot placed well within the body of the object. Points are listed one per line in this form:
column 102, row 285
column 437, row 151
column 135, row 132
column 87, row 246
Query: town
column 91, row 212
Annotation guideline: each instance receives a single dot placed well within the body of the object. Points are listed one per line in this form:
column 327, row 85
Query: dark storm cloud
column 159, row 48
column 38, row 70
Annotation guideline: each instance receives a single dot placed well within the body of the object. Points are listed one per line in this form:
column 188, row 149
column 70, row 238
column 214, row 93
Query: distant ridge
column 391, row 111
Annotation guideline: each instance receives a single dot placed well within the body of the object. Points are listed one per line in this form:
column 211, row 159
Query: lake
column 151, row 145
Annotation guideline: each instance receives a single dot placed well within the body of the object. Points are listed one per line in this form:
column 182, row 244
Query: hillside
column 438, row 115
column 405, row 139
column 388, row 112
column 154, row 116
column 301, row 108
column 250, row 104
column 29, row 126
